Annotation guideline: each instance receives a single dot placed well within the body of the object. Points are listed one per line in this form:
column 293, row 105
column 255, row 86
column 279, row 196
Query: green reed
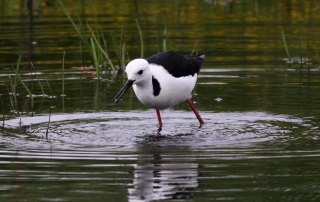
column 121, row 47
column 11, row 101
column 119, row 50
column 29, row 92
column 14, row 103
column 123, row 55
column 114, row 43
column 64, row 53
column 94, row 49
column 14, row 85
column 158, row 46
column 141, row 38
column 194, row 47
column 48, row 124
column 80, row 31
column 34, row 69
column 46, row 79
column 165, row 44
column 95, row 57
column 2, row 113
column 318, row 57
column 97, row 47
column 285, row 45
column 301, row 60
column 309, row 59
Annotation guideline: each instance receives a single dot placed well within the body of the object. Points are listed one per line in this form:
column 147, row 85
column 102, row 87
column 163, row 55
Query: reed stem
column 48, row 125
column 64, row 53
column 285, row 45
column 141, row 38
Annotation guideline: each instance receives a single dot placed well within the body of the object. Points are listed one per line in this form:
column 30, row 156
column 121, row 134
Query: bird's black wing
column 176, row 64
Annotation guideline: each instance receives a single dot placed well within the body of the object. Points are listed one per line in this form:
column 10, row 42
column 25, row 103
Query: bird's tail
column 201, row 55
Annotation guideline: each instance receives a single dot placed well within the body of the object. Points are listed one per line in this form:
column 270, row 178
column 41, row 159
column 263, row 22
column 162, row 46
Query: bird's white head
column 138, row 71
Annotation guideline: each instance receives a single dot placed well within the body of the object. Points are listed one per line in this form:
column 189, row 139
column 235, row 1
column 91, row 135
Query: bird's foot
column 159, row 130
column 201, row 124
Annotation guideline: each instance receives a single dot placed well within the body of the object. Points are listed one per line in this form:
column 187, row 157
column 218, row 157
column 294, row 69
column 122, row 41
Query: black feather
column 176, row 64
column 156, row 86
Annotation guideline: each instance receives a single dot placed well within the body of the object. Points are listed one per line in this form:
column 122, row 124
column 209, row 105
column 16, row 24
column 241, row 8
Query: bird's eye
column 140, row 72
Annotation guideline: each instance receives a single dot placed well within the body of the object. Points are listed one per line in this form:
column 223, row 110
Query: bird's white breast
column 173, row 90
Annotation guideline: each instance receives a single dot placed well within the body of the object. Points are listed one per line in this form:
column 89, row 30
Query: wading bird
column 163, row 80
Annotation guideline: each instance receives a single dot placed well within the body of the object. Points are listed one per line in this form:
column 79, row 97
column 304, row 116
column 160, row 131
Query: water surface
column 261, row 137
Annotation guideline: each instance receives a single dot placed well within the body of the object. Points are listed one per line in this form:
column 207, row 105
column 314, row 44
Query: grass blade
column 194, row 47
column 114, row 42
column 285, row 45
column 123, row 55
column 99, row 46
column 95, row 59
column 11, row 101
column 34, row 69
column 141, row 38
column 2, row 114
column 48, row 125
column 165, row 36
column 29, row 92
column 64, row 53
column 82, row 32
column 121, row 46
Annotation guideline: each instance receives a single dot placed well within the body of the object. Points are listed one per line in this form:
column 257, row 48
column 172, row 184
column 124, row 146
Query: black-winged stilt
column 163, row 80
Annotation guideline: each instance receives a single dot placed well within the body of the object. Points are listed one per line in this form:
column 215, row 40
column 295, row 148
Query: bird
column 163, row 80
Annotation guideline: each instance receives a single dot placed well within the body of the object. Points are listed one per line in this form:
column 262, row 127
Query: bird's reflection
column 163, row 173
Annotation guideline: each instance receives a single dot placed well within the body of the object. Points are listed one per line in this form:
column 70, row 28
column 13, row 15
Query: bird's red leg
column 195, row 112
column 159, row 120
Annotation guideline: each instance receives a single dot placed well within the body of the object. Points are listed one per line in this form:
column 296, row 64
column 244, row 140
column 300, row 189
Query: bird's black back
column 176, row 64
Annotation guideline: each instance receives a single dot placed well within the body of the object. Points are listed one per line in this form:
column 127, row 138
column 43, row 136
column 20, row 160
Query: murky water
column 261, row 140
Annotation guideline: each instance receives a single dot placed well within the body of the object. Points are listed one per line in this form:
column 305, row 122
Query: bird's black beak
column 123, row 90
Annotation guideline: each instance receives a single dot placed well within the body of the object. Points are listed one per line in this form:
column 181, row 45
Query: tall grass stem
column 285, row 45
column 101, row 49
column 64, row 53
column 141, row 39
column 48, row 125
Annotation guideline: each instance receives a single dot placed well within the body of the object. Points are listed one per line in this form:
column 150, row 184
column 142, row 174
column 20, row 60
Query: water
column 261, row 138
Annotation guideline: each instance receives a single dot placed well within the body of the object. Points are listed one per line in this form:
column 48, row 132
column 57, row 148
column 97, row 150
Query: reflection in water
column 161, row 173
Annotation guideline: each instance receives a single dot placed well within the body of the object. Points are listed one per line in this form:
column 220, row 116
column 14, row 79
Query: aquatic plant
column 97, row 46
column 29, row 92
column 62, row 91
column 48, row 124
column 2, row 113
column 34, row 69
column 285, row 46
column 98, row 55
column 165, row 39
column 194, row 47
column 141, row 38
